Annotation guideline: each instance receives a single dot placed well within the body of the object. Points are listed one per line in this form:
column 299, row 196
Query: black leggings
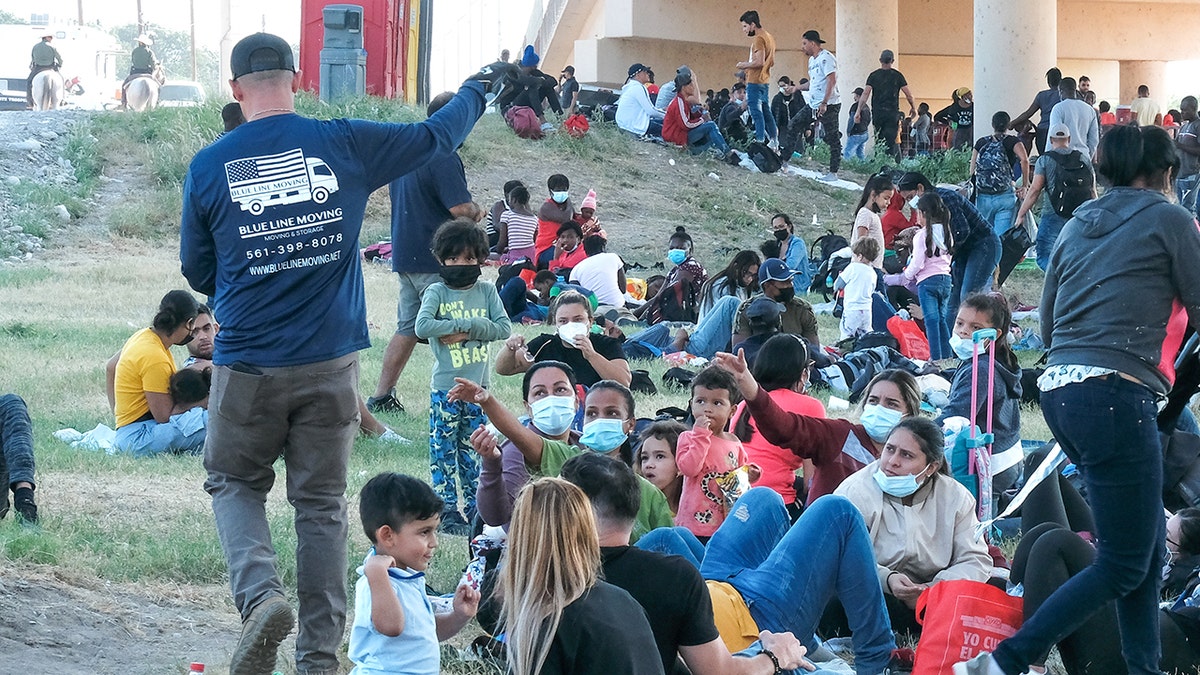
column 1054, row 501
column 1046, row 558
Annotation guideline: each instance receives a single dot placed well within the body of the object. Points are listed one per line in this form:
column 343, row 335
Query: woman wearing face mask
column 550, row 401
column 976, row 246
column 141, row 388
column 1122, row 273
column 608, row 420
column 592, row 356
column 980, row 311
column 739, row 279
column 922, row 523
column 792, row 251
column 836, row 447
column 679, row 297
column 1049, row 555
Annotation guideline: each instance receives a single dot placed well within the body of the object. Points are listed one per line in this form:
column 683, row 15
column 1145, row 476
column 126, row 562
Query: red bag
column 913, row 343
column 576, row 125
column 962, row 618
column 524, row 122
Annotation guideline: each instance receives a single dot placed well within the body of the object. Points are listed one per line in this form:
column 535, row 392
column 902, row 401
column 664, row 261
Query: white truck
column 284, row 178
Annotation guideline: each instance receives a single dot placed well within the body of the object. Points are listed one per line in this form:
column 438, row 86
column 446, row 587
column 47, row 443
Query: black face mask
column 782, row 235
column 459, row 276
column 184, row 341
column 785, row 295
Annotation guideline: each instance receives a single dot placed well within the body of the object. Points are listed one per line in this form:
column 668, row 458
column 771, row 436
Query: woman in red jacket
column 686, row 124
column 836, row 447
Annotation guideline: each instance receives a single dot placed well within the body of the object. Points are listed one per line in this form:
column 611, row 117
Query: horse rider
column 44, row 57
column 143, row 63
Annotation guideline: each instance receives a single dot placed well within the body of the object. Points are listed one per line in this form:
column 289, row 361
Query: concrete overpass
column 999, row 48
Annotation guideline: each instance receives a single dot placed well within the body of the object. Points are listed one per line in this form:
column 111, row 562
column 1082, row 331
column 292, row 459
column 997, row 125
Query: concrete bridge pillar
column 1153, row 74
column 864, row 29
column 1016, row 42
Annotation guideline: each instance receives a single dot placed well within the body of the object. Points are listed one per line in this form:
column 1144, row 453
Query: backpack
column 1072, row 182
column 993, row 172
column 678, row 303
column 576, row 125
column 829, row 243
column 524, row 122
column 766, row 159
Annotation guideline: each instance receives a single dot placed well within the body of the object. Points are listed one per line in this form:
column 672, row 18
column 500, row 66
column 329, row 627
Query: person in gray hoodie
column 1122, row 273
column 979, row 311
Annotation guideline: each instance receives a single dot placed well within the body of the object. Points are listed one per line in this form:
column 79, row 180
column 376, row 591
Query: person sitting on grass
column 922, row 522
column 517, row 227
column 593, row 356
column 709, row 457
column 567, row 249
column 16, row 458
column 609, row 418
column 602, row 273
column 669, row 589
column 141, row 383
column 548, row 390
column 395, row 629
column 492, row 222
column 587, row 217
column 464, row 314
column 688, row 126
column 655, row 459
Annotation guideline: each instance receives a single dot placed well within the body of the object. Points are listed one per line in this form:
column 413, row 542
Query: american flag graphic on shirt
column 268, row 173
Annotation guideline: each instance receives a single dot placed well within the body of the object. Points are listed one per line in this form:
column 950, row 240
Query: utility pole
column 80, row 12
column 141, row 25
column 192, row 16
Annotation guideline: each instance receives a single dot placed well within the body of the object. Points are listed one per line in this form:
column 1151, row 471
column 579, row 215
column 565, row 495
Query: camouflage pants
column 451, row 456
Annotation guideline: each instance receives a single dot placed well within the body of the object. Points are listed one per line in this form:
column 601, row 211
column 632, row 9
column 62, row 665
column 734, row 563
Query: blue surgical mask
column 676, row 256
column 553, row 414
column 912, row 203
column 560, row 196
column 879, row 421
column 603, row 435
column 897, row 486
column 963, row 349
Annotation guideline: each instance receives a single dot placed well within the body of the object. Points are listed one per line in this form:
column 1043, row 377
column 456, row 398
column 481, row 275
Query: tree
column 10, row 18
column 174, row 49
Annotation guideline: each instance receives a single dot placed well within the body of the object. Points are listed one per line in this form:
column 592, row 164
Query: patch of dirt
column 53, row 623
column 31, row 149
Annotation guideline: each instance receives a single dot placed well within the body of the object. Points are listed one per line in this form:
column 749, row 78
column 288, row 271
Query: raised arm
column 524, row 439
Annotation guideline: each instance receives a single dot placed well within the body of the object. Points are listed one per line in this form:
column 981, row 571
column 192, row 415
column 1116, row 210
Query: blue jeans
column 998, row 210
column 971, row 272
column 758, row 97
column 711, row 336
column 1185, row 190
column 16, row 443
column 787, row 573
column 706, row 137
column 1106, row 425
column 673, row 541
column 934, row 296
column 1049, row 227
column 855, row 145
column 183, row 433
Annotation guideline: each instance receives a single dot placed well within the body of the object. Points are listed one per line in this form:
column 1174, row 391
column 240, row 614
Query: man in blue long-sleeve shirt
column 271, row 218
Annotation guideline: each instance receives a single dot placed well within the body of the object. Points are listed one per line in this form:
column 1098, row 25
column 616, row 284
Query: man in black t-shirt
column 883, row 89
column 668, row 588
column 568, row 90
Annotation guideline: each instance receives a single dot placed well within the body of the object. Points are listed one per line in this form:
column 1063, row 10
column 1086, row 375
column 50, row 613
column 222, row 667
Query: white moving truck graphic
column 272, row 180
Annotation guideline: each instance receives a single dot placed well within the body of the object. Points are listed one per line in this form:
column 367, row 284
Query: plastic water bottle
column 196, row 669
column 815, row 222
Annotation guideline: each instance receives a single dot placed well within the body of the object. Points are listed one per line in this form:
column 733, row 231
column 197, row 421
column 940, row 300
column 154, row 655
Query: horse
column 47, row 90
column 142, row 91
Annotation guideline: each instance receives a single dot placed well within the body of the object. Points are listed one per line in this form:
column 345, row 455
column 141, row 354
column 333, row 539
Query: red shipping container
column 385, row 37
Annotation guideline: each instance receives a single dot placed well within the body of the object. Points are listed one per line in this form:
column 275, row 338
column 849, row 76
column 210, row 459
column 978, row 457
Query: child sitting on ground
column 518, row 227
column 709, row 457
column 655, row 460
column 189, row 389
column 858, row 282
column 395, row 629
column 464, row 314
column 587, row 217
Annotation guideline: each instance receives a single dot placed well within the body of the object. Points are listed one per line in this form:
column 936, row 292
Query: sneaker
column 24, row 505
column 268, row 624
column 454, row 523
column 386, row 403
column 389, row 436
column 830, row 177
column 982, row 664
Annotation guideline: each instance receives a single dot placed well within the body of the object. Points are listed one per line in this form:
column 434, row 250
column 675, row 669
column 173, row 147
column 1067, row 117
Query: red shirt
column 1107, row 118
column 678, row 120
column 779, row 464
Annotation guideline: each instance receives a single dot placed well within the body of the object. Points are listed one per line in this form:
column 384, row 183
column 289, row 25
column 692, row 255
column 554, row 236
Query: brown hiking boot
column 268, row 624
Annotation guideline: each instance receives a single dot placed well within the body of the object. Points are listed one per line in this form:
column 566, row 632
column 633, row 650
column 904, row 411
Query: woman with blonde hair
column 558, row 615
